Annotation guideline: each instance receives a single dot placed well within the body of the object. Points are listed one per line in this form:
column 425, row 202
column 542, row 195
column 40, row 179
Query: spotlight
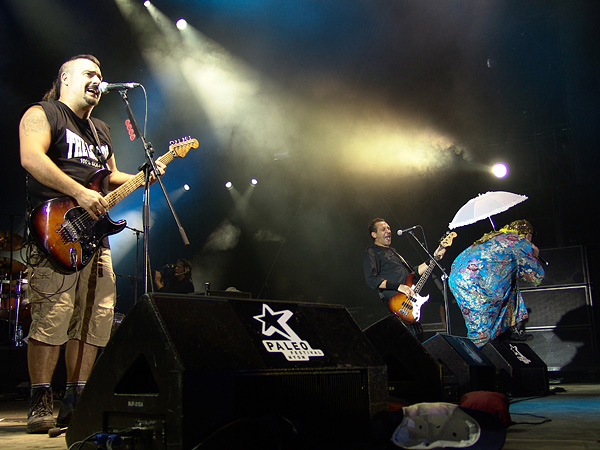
column 229, row 185
column 500, row 170
column 186, row 187
column 181, row 24
column 253, row 182
column 147, row 3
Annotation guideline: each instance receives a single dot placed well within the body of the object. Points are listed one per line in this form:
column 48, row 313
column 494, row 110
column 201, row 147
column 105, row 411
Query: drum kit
column 14, row 308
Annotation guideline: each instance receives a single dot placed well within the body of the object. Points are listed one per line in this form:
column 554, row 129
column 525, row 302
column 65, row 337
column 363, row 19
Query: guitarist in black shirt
column 389, row 273
column 60, row 147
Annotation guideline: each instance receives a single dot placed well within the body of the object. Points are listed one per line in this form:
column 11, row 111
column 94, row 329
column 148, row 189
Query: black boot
column 68, row 405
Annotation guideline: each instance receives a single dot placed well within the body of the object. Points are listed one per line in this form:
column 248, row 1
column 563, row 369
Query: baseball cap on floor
column 445, row 425
column 492, row 402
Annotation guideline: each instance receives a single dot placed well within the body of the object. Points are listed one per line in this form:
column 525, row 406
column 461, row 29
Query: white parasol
column 484, row 206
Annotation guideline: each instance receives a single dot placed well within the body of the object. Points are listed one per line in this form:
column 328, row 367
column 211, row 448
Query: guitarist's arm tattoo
column 35, row 122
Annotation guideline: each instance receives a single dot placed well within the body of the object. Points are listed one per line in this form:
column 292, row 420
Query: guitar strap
column 410, row 269
column 97, row 152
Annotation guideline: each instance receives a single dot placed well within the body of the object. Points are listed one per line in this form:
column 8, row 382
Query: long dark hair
column 54, row 92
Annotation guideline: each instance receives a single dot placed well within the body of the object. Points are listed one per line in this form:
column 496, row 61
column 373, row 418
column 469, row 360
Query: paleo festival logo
column 293, row 348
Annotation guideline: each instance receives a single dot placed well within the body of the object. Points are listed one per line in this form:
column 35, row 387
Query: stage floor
column 573, row 410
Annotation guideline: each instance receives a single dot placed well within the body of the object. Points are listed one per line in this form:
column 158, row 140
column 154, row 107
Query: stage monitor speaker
column 520, row 371
column 232, row 373
column 464, row 367
column 413, row 373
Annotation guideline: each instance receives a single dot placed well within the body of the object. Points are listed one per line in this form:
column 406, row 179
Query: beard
column 90, row 100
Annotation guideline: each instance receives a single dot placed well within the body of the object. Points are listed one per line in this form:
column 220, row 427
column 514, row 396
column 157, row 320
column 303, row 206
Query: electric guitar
column 409, row 308
column 68, row 235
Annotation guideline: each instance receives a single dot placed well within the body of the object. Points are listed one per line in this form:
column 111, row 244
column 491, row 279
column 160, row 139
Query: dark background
column 353, row 109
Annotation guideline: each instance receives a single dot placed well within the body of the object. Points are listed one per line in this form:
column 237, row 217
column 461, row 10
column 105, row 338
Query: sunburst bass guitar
column 409, row 308
column 68, row 234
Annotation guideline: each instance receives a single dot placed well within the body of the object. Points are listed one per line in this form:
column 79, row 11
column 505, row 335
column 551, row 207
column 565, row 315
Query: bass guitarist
column 386, row 270
column 61, row 146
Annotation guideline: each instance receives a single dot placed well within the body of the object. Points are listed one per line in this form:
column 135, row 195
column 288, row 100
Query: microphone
column 401, row 232
column 105, row 87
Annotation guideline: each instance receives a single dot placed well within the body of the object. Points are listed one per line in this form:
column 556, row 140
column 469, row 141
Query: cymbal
column 8, row 240
column 5, row 266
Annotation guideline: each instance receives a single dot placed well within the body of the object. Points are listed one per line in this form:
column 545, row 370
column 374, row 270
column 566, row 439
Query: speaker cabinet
column 464, row 367
column 519, row 370
column 566, row 266
column 562, row 306
column 413, row 373
column 232, row 373
column 561, row 320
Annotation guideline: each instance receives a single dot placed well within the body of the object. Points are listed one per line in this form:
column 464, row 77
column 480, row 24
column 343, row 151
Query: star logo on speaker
column 293, row 348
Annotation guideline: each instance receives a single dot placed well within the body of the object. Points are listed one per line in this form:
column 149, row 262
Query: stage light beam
column 236, row 96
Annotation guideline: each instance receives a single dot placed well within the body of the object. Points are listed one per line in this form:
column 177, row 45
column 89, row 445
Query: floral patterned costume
column 484, row 279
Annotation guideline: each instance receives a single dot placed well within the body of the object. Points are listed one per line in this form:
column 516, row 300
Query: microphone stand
column 149, row 167
column 444, row 278
column 137, row 259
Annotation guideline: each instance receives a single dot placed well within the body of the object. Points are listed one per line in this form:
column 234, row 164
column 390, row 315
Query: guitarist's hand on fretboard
column 161, row 171
column 439, row 252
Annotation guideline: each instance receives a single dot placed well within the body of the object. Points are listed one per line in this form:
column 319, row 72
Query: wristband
column 391, row 285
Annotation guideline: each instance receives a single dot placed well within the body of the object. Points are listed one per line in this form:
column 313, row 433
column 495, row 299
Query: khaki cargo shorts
column 75, row 306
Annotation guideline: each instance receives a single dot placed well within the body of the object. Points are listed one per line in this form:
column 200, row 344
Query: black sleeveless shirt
column 71, row 148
